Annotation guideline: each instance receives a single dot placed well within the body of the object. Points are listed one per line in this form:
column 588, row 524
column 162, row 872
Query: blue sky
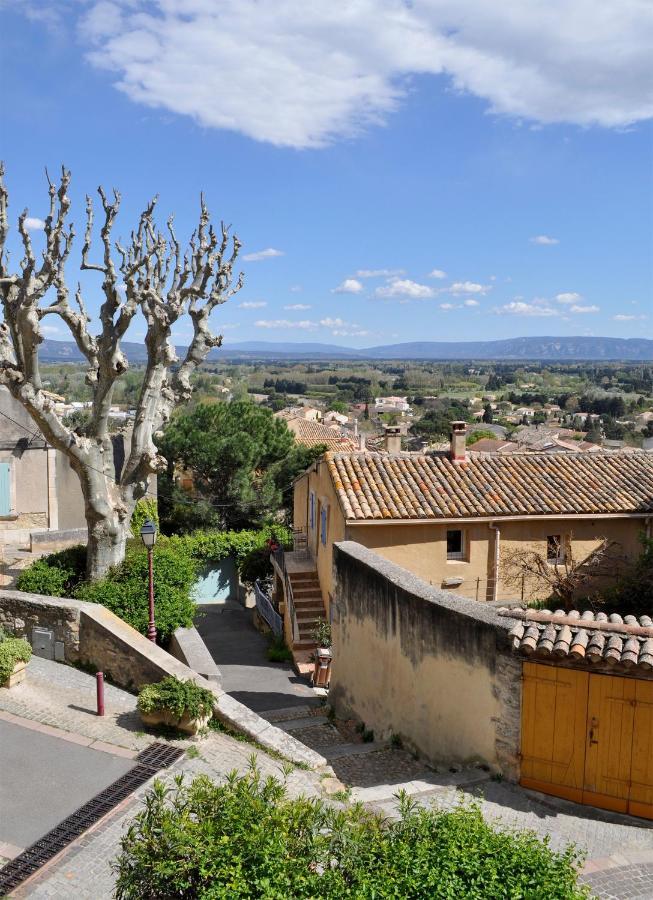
column 426, row 172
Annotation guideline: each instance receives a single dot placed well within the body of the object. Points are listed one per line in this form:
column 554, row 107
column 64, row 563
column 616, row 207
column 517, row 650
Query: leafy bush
column 125, row 589
column 321, row 634
column 278, row 652
column 177, row 697
column 256, row 566
column 146, row 508
column 55, row 575
column 247, row 838
column 12, row 650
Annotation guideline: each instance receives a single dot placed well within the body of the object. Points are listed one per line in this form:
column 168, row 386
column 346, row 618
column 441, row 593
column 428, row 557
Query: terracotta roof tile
column 590, row 638
column 311, row 434
column 417, row 486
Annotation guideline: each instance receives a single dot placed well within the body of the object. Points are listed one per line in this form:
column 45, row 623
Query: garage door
column 588, row 738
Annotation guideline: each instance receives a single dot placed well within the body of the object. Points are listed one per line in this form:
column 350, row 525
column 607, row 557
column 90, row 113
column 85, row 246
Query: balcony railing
column 267, row 611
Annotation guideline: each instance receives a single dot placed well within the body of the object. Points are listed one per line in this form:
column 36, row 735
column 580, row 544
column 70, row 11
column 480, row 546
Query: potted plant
column 15, row 653
column 183, row 705
column 322, row 672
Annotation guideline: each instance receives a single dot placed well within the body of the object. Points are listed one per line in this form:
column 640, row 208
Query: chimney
column 392, row 438
column 361, row 442
column 458, row 438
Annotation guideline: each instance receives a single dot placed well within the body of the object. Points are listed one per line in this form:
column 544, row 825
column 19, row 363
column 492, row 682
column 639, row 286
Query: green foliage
column 125, row 589
column 55, row 575
column 436, row 422
column 256, row 566
column 246, row 838
column 278, row 652
column 241, row 456
column 321, row 634
column 475, row 436
column 146, row 508
column 12, row 650
column 177, row 697
column 633, row 593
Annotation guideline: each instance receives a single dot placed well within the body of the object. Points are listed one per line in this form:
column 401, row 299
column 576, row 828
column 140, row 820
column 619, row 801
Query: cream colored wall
column 445, row 706
column 422, row 549
column 317, row 479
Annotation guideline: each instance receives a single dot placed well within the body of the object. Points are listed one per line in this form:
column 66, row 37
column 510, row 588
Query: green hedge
column 176, row 561
column 247, row 839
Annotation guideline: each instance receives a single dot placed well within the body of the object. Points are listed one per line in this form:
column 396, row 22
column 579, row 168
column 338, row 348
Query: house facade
column 452, row 518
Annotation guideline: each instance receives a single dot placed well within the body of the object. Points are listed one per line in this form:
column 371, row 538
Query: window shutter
column 5, row 489
column 312, row 505
column 324, row 525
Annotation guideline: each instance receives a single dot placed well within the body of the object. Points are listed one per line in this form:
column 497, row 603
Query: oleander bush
column 177, row 697
column 12, row 650
column 55, row 575
column 246, row 838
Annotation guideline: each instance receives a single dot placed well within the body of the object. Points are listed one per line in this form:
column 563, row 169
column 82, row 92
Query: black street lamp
column 148, row 536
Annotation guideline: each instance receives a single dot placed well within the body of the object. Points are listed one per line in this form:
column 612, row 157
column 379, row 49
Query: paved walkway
column 620, row 849
column 240, row 652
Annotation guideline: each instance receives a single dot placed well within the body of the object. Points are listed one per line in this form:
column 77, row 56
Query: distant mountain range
column 524, row 348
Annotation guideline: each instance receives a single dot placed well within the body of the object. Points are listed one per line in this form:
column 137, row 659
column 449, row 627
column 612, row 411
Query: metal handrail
column 267, row 611
column 290, row 602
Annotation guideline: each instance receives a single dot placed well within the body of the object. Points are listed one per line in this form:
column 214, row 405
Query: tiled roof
column 492, row 445
column 313, row 433
column 593, row 638
column 415, row 486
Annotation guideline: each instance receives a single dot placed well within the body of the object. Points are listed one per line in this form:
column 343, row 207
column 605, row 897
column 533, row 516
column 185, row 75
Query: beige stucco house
column 452, row 517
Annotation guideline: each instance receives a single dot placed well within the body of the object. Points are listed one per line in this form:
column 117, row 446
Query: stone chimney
column 392, row 438
column 458, row 439
column 361, row 442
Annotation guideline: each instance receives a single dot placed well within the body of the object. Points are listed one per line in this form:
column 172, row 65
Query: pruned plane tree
column 150, row 273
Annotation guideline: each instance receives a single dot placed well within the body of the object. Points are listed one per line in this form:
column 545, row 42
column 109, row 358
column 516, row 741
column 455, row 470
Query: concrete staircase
column 309, row 607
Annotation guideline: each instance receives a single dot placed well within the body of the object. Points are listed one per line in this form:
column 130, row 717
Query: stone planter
column 16, row 676
column 163, row 717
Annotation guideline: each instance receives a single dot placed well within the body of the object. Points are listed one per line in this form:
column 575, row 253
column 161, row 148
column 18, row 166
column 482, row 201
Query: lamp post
column 148, row 536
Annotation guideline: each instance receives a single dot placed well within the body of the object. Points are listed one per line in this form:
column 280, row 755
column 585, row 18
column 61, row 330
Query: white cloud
column 568, row 297
column 268, row 253
column 296, row 289
column 34, row 224
column 520, row 308
column 54, row 329
column 471, row 303
column 584, row 309
column 303, row 74
column 437, row 273
column 228, row 326
column 544, row 240
column 345, row 333
column 298, row 306
column 348, row 286
column 304, row 324
column 253, row 304
column 404, row 287
column 467, row 287
column 621, row 317
column 448, row 306
column 379, row 273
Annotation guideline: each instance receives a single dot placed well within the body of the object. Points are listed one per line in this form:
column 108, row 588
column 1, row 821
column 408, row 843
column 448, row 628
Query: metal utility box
column 43, row 642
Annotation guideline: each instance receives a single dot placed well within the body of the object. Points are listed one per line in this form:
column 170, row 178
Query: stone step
column 337, row 751
column 303, row 644
column 309, row 609
column 301, row 577
column 287, row 713
column 310, row 591
column 302, row 722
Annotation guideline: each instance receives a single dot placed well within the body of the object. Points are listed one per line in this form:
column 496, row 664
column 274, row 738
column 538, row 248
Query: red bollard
column 99, row 679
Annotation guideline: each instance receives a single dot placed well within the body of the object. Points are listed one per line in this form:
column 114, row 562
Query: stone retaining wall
column 88, row 634
column 426, row 664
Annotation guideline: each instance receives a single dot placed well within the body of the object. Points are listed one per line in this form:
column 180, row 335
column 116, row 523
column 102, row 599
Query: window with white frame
column 455, row 544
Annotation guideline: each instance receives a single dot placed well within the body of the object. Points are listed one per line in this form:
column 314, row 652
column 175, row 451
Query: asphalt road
column 240, row 652
column 44, row 779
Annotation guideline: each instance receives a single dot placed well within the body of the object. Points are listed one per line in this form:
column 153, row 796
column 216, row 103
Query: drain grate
column 151, row 760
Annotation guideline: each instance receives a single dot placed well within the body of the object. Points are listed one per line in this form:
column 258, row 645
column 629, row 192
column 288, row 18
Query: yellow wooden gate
column 588, row 738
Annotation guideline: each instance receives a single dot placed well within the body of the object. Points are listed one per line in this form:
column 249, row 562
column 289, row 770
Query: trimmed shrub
column 125, row 589
column 55, row 575
column 12, row 650
column 247, row 838
column 177, row 697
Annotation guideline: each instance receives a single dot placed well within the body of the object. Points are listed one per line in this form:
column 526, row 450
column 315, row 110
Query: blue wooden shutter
column 312, row 510
column 5, row 489
column 323, row 525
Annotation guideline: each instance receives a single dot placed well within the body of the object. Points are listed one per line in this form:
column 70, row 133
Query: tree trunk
column 106, row 548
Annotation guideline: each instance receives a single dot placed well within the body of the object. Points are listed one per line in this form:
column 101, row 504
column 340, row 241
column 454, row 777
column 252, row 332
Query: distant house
column 309, row 413
column 41, row 501
column 450, row 518
column 338, row 418
column 312, row 434
column 391, row 404
column 493, row 445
